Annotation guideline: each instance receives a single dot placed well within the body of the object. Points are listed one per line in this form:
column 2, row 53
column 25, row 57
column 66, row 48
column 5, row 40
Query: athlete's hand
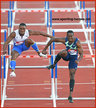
column 4, row 52
column 44, row 52
column 76, row 61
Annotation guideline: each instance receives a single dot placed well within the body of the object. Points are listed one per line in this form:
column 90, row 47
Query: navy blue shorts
column 71, row 59
column 20, row 48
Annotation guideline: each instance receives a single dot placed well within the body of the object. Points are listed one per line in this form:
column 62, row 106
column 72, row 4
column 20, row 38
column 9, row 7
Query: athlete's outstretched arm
column 80, row 51
column 39, row 33
column 62, row 40
column 10, row 37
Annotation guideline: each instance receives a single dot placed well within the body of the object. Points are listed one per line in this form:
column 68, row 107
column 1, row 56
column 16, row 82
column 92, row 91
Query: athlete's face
column 70, row 37
column 22, row 30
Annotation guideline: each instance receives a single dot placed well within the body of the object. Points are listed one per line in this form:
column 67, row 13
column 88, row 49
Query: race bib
column 72, row 52
column 19, row 42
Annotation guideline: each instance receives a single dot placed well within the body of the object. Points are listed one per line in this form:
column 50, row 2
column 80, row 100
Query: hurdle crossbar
column 44, row 10
column 74, row 30
column 66, row 98
column 41, row 67
column 28, row 98
column 3, row 30
column 40, row 24
column 45, row 56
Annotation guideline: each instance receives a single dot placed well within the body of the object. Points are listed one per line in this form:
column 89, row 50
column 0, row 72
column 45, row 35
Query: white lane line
column 50, row 88
column 46, row 84
column 53, row 93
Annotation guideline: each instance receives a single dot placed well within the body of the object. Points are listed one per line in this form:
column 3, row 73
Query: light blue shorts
column 20, row 48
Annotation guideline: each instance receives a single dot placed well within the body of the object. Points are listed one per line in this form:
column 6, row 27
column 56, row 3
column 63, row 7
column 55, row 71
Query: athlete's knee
column 59, row 54
column 58, row 57
column 29, row 41
column 72, row 73
column 14, row 55
column 63, row 53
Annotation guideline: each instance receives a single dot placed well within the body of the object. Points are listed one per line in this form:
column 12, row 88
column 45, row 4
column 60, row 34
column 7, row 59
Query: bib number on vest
column 72, row 52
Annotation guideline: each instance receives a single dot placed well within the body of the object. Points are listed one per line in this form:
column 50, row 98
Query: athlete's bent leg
column 61, row 54
column 29, row 42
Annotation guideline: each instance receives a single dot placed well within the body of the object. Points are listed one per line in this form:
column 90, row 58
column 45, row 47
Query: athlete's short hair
column 22, row 24
column 70, row 31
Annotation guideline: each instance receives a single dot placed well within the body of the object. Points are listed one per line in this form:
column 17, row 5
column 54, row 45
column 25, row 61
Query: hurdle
column 45, row 10
column 48, row 56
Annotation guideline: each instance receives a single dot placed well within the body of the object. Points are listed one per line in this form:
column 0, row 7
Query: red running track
column 36, row 83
